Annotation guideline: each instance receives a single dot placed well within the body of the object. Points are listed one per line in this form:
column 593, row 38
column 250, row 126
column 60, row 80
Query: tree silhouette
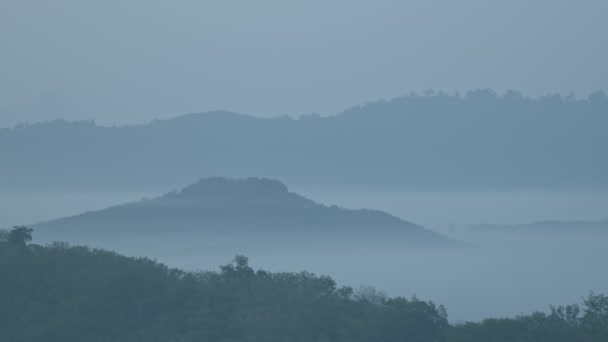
column 19, row 236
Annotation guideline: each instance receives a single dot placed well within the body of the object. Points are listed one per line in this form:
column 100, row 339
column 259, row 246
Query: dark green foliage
column 63, row 293
column 18, row 236
column 564, row 323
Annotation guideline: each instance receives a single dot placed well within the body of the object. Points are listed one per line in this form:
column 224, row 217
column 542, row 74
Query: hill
column 63, row 293
column 252, row 209
column 436, row 141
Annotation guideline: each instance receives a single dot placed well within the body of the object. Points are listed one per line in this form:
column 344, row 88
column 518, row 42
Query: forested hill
column 240, row 210
column 63, row 293
column 479, row 140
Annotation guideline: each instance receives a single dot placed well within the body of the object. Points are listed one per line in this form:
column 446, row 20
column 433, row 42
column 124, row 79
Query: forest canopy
column 60, row 292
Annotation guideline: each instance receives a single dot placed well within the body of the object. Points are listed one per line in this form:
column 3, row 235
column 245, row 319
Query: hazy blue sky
column 132, row 61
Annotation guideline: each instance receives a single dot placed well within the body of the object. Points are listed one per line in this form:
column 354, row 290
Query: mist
column 313, row 171
column 494, row 274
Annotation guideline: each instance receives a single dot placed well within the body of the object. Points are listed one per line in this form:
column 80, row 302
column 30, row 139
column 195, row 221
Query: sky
column 120, row 62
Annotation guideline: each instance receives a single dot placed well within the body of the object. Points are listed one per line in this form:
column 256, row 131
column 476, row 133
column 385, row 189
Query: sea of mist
column 494, row 275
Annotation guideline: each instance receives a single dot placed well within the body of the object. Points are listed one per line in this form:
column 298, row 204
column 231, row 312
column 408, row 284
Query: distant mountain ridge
column 237, row 208
column 545, row 226
column 437, row 141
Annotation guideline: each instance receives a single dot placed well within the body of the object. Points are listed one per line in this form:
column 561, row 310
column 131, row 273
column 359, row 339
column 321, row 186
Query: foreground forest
column 73, row 293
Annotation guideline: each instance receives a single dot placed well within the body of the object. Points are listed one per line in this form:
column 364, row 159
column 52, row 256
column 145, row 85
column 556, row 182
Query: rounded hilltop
column 231, row 189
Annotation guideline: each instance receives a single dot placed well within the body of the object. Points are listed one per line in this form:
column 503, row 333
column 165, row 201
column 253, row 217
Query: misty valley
column 255, row 171
column 474, row 272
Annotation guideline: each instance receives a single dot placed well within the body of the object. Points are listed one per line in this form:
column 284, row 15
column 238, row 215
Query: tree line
column 60, row 292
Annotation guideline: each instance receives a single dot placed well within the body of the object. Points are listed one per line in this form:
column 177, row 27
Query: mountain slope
column 239, row 209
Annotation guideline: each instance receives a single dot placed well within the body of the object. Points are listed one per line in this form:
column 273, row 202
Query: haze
column 453, row 150
column 124, row 62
